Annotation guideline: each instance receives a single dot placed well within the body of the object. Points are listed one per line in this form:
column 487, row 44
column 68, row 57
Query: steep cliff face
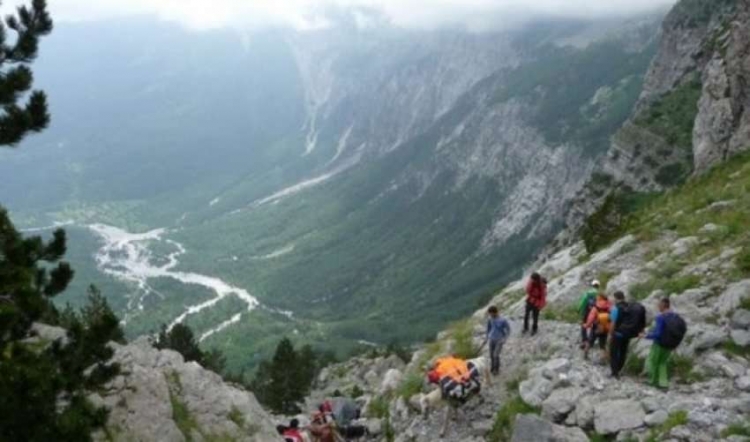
column 692, row 112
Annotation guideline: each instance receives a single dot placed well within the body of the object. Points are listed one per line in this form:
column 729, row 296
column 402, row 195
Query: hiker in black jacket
column 629, row 319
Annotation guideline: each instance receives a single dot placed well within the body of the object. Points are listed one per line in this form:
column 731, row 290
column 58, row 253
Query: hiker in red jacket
column 536, row 299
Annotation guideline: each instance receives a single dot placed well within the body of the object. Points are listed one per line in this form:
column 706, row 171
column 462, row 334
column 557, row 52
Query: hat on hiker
column 595, row 283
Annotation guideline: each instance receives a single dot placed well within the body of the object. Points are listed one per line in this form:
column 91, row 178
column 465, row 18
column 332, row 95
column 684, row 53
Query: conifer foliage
column 18, row 48
column 181, row 339
column 283, row 382
column 43, row 385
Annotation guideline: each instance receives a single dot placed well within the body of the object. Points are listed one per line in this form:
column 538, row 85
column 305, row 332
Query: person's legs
column 494, row 357
column 535, row 312
column 616, row 355
column 663, row 371
column 526, row 317
column 657, row 366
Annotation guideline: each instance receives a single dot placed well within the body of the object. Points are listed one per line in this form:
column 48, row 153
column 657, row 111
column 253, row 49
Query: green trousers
column 657, row 366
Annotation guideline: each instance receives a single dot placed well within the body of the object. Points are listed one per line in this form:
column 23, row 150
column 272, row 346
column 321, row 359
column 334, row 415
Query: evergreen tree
column 182, row 340
column 284, row 381
column 17, row 120
column 43, row 388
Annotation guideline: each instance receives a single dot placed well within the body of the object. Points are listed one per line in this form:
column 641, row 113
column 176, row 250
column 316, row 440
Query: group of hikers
column 334, row 421
column 610, row 325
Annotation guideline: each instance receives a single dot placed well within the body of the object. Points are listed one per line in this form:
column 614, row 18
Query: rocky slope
column 547, row 391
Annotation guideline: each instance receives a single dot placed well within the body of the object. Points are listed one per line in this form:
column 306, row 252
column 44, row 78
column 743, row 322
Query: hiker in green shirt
column 587, row 302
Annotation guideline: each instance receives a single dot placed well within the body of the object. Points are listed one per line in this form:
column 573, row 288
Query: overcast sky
column 306, row 14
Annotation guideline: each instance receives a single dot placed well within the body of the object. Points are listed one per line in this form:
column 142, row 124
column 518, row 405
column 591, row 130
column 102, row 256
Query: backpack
column 603, row 322
column 459, row 380
column 674, row 331
column 631, row 319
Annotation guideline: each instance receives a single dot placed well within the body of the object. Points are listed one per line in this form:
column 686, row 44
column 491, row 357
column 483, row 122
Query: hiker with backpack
column 536, row 300
column 628, row 321
column 291, row 433
column 667, row 334
column 341, row 413
column 587, row 302
column 498, row 330
column 597, row 325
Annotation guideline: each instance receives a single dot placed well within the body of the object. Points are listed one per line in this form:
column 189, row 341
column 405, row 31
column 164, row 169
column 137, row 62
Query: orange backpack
column 454, row 368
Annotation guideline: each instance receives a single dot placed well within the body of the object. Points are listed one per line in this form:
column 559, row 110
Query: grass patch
column 634, row 366
column 410, row 385
column 742, row 261
column 502, row 429
column 236, row 416
column 378, row 407
column 463, row 337
column 180, row 413
column 745, row 304
column 568, row 314
column 675, row 419
column 670, row 285
column 737, row 429
column 683, row 370
column 731, row 348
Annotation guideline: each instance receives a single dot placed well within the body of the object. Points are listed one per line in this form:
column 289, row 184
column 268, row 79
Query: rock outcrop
column 160, row 397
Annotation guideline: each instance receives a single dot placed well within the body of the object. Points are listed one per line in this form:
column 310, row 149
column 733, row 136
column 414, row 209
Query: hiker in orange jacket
column 598, row 325
column 536, row 300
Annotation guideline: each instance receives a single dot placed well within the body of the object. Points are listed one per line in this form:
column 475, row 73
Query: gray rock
column 681, row 433
column 700, row 418
column 742, row 383
column 683, row 245
column 482, row 426
column 560, row 403
column 741, row 319
column 611, row 417
column 651, row 404
column 535, row 390
column 529, row 427
column 730, row 300
column 391, row 381
column 374, row 426
column 711, row 228
column 656, row 418
column 740, row 337
column 710, row 339
column 556, row 367
column 140, row 400
column 585, row 412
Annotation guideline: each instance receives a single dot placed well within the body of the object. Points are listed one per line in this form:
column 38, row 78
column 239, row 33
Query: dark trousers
column 534, row 312
column 618, row 353
column 496, row 347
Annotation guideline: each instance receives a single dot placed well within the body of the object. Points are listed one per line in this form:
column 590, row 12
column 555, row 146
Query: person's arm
column 591, row 318
column 656, row 333
column 614, row 313
column 489, row 328
column 506, row 329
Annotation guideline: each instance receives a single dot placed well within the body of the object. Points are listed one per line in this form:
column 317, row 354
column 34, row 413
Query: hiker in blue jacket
column 498, row 330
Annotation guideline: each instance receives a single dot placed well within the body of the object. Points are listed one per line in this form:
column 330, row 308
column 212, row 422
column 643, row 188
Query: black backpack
column 631, row 319
column 674, row 332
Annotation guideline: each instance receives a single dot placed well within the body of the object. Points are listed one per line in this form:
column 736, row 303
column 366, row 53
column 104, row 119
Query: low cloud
column 312, row 14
